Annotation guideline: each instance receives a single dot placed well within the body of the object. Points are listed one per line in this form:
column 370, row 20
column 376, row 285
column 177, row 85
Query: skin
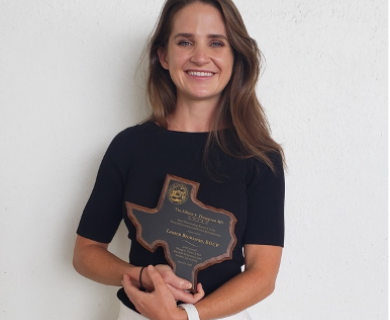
column 198, row 43
column 92, row 260
column 192, row 46
column 261, row 269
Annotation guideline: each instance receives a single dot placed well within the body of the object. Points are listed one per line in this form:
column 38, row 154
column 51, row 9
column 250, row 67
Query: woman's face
column 198, row 56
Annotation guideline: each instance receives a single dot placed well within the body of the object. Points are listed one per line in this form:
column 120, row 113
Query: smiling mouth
column 200, row 74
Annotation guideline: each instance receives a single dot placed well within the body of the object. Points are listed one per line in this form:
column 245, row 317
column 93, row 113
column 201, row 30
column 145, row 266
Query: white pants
column 127, row 314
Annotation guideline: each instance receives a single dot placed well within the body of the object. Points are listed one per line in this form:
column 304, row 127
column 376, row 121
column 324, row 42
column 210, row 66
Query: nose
column 200, row 56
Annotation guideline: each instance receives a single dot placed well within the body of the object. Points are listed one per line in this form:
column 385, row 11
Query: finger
column 199, row 294
column 131, row 291
column 171, row 278
column 156, row 278
column 126, row 280
column 178, row 282
column 187, row 297
column 180, row 294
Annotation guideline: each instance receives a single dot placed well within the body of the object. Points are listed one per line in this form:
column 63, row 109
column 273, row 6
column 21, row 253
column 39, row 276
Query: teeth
column 200, row 74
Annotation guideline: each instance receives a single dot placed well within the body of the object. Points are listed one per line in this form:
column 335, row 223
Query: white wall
column 67, row 87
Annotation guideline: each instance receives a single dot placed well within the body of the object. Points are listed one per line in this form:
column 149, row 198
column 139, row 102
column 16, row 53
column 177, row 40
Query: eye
column 184, row 43
column 217, row 44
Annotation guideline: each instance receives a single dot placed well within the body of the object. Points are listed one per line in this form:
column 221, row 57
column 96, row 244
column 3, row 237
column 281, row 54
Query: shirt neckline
column 156, row 126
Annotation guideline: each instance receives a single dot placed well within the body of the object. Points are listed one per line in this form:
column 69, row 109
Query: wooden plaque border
column 153, row 246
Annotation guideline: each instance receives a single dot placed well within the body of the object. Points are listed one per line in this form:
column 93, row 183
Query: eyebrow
column 191, row 35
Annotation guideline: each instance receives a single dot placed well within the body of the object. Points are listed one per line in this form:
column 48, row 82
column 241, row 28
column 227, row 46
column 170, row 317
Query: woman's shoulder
column 126, row 143
column 135, row 134
column 139, row 130
column 254, row 163
column 258, row 169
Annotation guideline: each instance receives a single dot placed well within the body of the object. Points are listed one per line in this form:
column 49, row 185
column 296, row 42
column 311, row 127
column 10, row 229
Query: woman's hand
column 159, row 304
column 178, row 286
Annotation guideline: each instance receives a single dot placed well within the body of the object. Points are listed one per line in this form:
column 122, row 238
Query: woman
column 207, row 126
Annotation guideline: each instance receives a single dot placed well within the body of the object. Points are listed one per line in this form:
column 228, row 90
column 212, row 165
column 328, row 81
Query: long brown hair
column 238, row 108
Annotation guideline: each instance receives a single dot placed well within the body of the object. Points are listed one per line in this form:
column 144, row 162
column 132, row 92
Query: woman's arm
column 92, row 260
column 246, row 289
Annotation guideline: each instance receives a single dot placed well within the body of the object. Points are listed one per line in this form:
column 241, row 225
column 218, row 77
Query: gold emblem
column 178, row 193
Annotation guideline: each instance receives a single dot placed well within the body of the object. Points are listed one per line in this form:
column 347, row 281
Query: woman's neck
column 196, row 116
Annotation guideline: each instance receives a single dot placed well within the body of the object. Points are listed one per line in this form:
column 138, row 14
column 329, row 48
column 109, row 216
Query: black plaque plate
column 193, row 235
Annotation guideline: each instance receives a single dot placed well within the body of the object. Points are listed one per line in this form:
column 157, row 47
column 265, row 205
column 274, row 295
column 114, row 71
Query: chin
column 204, row 95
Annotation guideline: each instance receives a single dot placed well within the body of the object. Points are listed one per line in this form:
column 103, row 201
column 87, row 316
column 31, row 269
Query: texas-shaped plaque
column 193, row 235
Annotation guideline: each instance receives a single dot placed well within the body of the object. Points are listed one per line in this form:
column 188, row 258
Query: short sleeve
column 103, row 211
column 265, row 195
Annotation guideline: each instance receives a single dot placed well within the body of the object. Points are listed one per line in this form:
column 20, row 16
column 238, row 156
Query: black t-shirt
column 134, row 169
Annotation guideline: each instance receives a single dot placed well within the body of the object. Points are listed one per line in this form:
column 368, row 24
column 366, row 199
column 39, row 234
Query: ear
column 162, row 57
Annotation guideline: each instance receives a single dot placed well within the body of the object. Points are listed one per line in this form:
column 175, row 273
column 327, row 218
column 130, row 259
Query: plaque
column 193, row 235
